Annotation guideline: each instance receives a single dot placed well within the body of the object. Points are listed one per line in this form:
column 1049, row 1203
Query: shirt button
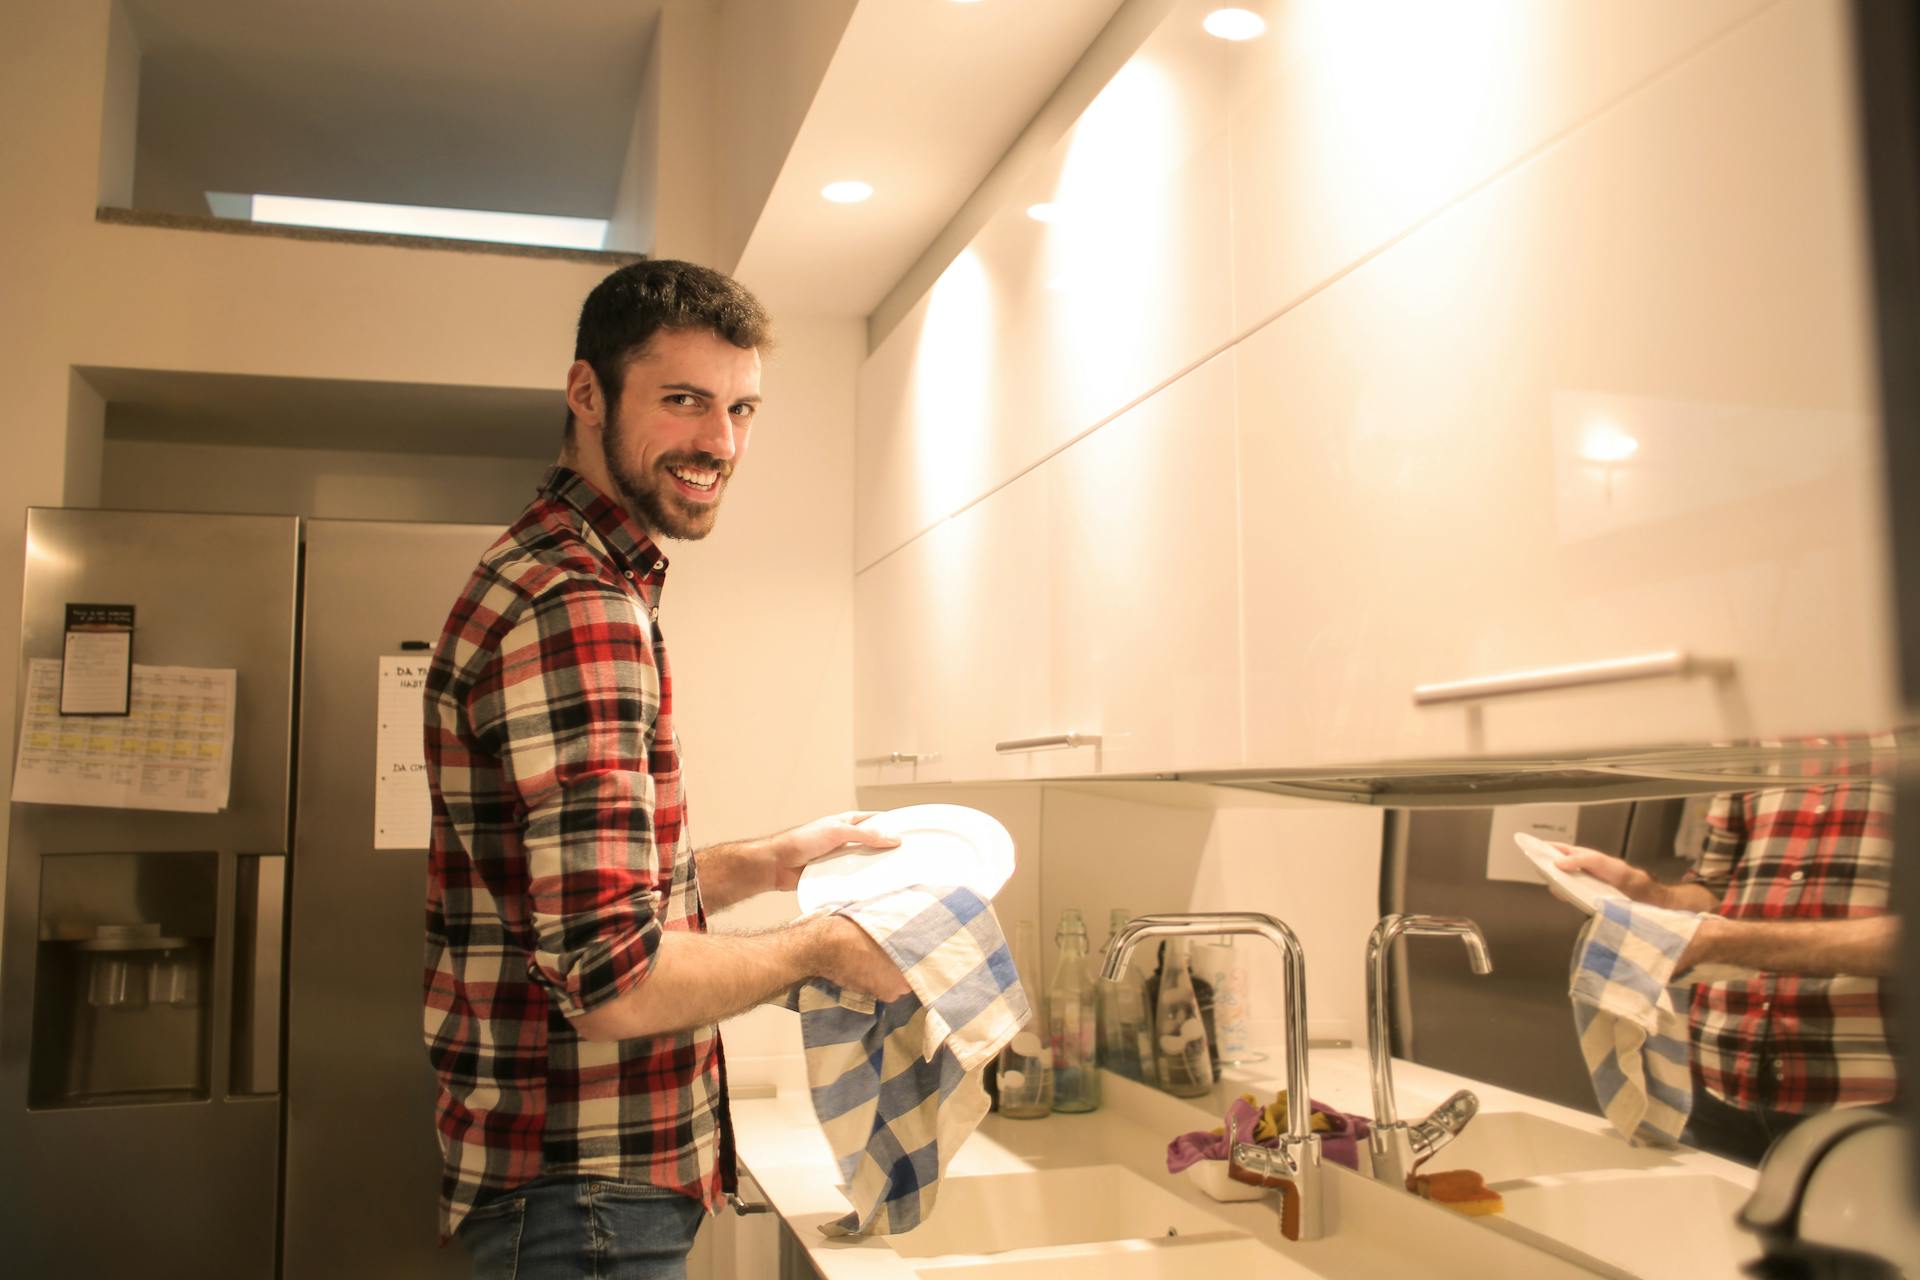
column 659, row 564
column 1819, row 809
column 1765, row 1005
column 1797, row 876
column 654, row 613
column 1780, row 1066
column 629, row 574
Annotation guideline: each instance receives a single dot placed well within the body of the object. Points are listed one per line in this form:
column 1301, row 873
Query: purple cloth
column 1339, row 1142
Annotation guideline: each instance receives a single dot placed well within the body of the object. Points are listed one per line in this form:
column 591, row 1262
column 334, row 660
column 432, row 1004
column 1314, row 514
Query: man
column 571, row 986
column 1793, row 882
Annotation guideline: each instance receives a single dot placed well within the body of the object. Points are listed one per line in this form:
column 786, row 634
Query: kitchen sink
column 995, row 1213
column 1655, row 1225
column 1503, row 1146
column 1170, row 1259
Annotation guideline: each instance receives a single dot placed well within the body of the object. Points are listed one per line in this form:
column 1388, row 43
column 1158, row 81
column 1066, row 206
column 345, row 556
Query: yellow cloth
column 1273, row 1119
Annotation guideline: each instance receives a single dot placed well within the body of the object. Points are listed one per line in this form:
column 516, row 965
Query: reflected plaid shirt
column 1780, row 1041
column 559, row 854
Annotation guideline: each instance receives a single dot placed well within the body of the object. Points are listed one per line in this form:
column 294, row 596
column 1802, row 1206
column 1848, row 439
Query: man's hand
column 1631, row 880
column 744, row 868
column 790, row 851
column 853, row 960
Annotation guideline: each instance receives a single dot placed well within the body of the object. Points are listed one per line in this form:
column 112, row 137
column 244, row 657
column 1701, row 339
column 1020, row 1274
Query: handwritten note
column 402, row 810
column 173, row 750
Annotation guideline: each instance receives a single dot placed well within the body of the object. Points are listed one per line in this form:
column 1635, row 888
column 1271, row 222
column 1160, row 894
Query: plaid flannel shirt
column 559, row 854
column 1783, row 1042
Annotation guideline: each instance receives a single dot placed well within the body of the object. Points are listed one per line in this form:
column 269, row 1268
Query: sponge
column 1461, row 1190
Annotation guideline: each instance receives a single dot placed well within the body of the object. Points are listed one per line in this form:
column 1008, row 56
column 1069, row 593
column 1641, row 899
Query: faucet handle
column 1443, row 1124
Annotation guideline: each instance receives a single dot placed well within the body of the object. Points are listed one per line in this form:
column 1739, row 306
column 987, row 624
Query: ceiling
column 922, row 99
column 477, row 104
column 528, row 107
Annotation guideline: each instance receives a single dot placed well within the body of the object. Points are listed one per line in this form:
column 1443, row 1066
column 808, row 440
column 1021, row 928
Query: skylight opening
column 539, row 229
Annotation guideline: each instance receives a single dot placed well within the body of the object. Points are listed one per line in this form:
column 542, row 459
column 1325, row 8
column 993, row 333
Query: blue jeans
column 570, row 1228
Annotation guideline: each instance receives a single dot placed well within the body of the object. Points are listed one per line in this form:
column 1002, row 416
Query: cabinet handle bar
column 896, row 757
column 1048, row 742
column 1671, row 662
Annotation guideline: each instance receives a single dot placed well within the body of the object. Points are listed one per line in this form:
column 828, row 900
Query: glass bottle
column 1126, row 1027
column 1073, row 1020
column 1180, row 1038
column 1025, row 1067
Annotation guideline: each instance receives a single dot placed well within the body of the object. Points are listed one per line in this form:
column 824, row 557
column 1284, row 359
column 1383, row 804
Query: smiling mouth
column 696, row 478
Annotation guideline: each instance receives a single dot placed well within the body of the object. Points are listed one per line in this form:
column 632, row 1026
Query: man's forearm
column 698, row 979
column 1863, row 947
column 733, row 872
column 1688, row 895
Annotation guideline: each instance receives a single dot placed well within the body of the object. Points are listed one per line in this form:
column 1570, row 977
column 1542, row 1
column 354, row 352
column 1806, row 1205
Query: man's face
column 681, row 428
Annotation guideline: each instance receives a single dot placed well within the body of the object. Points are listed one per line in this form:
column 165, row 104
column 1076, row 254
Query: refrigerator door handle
column 259, row 949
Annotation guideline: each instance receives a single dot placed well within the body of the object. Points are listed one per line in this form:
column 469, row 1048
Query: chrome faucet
column 1295, row 1167
column 1396, row 1146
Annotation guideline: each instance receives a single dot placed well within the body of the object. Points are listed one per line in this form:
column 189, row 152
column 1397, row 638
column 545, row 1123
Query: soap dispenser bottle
column 1073, row 1020
column 1180, row 1037
column 1126, row 1022
column 1025, row 1067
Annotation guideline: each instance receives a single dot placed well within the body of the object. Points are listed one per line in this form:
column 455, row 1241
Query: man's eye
column 743, row 410
column 683, row 398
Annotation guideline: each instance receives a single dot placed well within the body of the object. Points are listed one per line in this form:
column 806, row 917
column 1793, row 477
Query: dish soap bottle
column 1025, row 1069
column 1126, row 1026
column 1073, row 1020
column 1180, row 1038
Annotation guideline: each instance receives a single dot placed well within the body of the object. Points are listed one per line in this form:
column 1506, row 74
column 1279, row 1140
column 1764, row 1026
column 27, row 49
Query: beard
column 653, row 498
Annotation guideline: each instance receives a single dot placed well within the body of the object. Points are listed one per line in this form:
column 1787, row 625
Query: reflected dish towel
column 896, row 1085
column 1633, row 1033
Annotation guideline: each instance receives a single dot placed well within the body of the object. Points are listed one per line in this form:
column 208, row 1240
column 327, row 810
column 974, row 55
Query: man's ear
column 584, row 397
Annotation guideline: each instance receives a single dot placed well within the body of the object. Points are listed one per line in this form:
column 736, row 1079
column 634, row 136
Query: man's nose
column 717, row 435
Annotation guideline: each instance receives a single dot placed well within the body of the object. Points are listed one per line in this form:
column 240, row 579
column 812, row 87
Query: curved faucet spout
column 1395, row 1146
column 1208, row 924
column 1294, row 1167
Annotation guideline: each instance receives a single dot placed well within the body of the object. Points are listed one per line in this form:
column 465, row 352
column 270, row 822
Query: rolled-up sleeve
column 1726, row 840
column 568, row 706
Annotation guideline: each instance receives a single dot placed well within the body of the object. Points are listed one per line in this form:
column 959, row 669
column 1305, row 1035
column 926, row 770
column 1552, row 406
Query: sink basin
column 993, row 1213
column 1505, row 1145
column 1166, row 1259
column 1657, row 1226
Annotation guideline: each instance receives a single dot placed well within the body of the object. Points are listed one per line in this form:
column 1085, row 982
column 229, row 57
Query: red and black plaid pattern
column 1780, row 1041
column 559, row 854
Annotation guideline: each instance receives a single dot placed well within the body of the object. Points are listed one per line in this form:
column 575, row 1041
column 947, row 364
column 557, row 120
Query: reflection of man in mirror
column 1793, row 882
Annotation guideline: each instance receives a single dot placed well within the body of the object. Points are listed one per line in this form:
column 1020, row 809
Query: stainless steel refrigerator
column 210, row 1057
column 1514, row 1026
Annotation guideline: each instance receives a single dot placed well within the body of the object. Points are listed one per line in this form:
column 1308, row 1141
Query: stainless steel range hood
column 1636, row 775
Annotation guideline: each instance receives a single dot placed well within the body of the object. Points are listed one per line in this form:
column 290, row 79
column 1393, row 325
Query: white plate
column 940, row 845
column 1586, row 891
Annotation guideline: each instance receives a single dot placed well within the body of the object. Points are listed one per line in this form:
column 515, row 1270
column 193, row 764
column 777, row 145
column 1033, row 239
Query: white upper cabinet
column 1094, row 600
column 1043, row 329
column 1352, row 122
column 1617, row 402
column 1404, row 345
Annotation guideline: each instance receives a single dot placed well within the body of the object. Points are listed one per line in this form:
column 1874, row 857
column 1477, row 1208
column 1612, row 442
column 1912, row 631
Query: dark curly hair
column 632, row 304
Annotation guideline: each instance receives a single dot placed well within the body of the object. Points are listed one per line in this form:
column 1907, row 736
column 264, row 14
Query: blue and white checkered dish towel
column 1633, row 1031
column 896, row 1086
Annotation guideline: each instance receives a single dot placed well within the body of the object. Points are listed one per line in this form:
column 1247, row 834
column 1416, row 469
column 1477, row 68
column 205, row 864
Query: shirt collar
column 621, row 533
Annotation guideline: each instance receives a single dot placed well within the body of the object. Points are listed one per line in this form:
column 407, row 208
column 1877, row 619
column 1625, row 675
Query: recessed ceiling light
column 1234, row 24
column 847, row 192
column 1043, row 212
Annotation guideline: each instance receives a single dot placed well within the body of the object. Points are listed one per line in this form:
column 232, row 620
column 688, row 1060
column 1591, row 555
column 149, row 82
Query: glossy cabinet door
column 1094, row 597
column 1041, row 330
column 1617, row 402
column 1142, row 544
column 1353, row 122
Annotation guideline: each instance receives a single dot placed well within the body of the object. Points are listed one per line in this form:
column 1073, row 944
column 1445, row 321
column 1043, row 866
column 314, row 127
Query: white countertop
column 1376, row 1230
